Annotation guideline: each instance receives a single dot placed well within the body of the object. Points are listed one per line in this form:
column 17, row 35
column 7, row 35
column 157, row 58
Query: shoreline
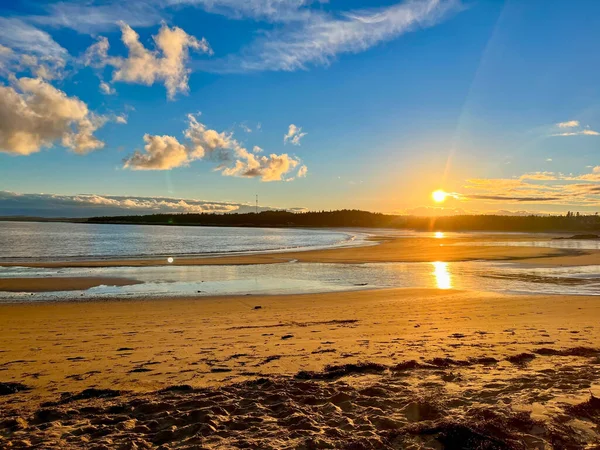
column 376, row 248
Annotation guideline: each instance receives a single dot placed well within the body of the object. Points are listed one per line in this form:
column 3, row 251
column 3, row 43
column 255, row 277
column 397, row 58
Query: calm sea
column 46, row 241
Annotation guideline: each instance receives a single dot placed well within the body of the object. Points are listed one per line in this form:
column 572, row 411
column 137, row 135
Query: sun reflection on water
column 443, row 279
column 439, row 235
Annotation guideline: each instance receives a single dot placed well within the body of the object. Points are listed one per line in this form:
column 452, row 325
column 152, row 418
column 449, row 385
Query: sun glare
column 442, row 277
column 438, row 196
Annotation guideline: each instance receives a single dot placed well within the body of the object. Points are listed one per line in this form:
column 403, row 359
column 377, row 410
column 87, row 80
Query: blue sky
column 133, row 106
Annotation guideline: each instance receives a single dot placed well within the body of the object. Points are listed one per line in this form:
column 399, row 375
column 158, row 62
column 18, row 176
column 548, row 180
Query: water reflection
column 439, row 235
column 286, row 278
column 442, row 275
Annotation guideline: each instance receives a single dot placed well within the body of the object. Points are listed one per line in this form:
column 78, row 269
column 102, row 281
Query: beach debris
column 521, row 359
column 13, row 424
column 178, row 388
column 257, row 307
column 269, row 359
column 140, row 370
column 590, row 409
column 370, row 410
column 12, row 388
column 333, row 372
column 86, row 394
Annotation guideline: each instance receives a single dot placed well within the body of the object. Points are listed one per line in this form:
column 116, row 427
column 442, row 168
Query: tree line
column 357, row 218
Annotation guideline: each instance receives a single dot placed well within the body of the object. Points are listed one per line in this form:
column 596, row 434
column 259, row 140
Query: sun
column 439, row 196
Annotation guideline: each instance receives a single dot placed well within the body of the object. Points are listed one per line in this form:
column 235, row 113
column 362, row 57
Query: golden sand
column 433, row 365
column 398, row 368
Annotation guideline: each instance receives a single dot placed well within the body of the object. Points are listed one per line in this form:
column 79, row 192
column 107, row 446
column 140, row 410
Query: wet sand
column 389, row 249
column 374, row 369
column 36, row 284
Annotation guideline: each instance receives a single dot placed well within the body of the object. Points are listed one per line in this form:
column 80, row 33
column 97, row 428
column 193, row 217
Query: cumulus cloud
column 161, row 153
column 302, row 171
column 166, row 152
column 165, row 64
column 87, row 205
column 107, row 89
column 574, row 128
column 35, row 114
column 267, row 168
column 120, row 118
column 293, row 135
column 568, row 124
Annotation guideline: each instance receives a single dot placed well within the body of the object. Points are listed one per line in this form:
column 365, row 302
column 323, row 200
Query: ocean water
column 27, row 241
column 295, row 277
column 49, row 241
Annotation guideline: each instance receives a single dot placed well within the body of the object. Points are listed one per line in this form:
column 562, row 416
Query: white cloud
column 269, row 10
column 166, row 64
column 87, row 205
column 257, row 149
column 568, row 124
column 585, row 132
column 26, row 48
column 293, row 135
column 93, row 17
column 166, row 152
column 34, row 114
column 267, row 168
column 302, row 171
column 24, row 37
column 161, row 153
column 107, row 89
column 319, row 37
column 538, row 187
column 120, row 118
column 575, row 129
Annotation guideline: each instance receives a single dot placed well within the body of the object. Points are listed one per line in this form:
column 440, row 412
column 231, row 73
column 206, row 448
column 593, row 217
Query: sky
column 112, row 107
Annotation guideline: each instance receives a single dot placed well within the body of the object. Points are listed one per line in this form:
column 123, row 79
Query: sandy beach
column 396, row 368
column 60, row 283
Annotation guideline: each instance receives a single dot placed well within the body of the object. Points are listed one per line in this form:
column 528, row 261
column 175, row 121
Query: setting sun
column 439, row 196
